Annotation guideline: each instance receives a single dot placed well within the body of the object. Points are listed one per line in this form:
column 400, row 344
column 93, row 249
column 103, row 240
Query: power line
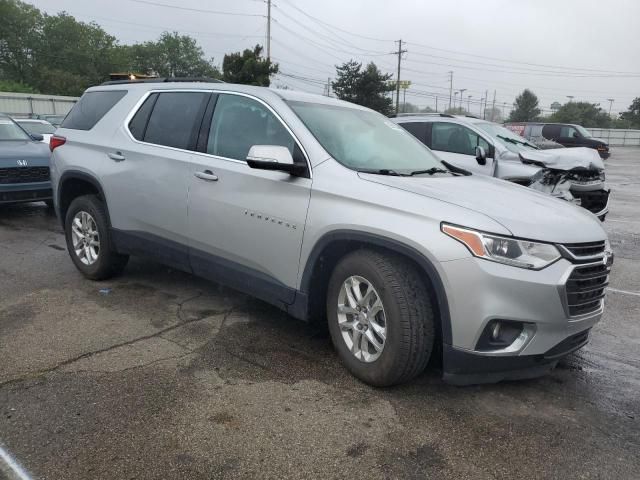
column 200, row 10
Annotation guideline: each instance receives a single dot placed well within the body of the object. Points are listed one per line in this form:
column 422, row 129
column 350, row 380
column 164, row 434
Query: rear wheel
column 380, row 317
column 89, row 241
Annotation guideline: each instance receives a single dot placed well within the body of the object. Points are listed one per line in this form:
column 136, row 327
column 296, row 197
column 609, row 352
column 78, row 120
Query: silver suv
column 331, row 211
column 575, row 175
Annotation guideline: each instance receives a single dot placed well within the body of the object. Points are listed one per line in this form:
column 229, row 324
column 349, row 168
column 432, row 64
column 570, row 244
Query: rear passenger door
column 149, row 175
column 457, row 144
column 246, row 225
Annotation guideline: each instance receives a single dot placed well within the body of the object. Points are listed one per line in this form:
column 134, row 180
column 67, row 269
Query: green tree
column 367, row 87
column 173, row 55
column 20, row 32
column 17, row 87
column 632, row 116
column 248, row 68
column 582, row 113
column 525, row 108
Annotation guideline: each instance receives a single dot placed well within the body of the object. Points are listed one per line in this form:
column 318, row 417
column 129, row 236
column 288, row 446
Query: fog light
column 504, row 334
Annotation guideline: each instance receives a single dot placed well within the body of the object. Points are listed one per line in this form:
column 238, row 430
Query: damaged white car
column 572, row 174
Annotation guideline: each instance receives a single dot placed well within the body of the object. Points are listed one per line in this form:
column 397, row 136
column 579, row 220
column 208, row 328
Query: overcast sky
column 586, row 48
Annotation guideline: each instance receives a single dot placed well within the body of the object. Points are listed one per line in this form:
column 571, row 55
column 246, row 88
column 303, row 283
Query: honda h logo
column 22, row 163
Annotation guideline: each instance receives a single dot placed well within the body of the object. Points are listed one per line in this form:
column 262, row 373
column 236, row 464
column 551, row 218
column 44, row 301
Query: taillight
column 56, row 141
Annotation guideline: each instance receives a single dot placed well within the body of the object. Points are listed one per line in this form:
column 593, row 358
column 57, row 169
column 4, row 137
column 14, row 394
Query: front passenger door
column 246, row 225
column 457, row 144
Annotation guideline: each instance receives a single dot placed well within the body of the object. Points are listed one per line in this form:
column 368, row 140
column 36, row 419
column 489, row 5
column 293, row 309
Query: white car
column 37, row 127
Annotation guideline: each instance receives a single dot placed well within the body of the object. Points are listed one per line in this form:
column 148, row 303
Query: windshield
column 511, row 141
column 10, row 131
column 365, row 140
column 585, row 133
column 37, row 127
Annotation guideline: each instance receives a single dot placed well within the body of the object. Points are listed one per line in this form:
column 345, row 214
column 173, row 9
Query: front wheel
column 380, row 317
column 89, row 241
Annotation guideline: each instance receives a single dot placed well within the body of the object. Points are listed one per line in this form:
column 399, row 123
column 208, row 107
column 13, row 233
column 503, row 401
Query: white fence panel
column 31, row 104
column 617, row 137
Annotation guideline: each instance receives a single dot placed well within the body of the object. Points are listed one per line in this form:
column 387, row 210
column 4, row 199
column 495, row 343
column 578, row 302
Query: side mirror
column 481, row 155
column 273, row 157
column 37, row 137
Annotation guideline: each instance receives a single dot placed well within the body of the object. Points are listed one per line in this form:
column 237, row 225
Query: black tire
column 109, row 262
column 408, row 311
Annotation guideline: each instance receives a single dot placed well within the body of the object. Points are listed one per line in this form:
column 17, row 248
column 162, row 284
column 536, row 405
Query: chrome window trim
column 146, row 95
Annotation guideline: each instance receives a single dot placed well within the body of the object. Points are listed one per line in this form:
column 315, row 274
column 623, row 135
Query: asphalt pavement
column 160, row 375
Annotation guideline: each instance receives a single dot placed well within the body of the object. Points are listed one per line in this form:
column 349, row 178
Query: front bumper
column 25, row 192
column 596, row 201
column 481, row 291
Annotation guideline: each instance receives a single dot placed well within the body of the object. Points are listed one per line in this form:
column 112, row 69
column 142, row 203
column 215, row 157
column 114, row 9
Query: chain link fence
column 617, row 137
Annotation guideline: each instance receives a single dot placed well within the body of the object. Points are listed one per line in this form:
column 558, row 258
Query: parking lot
column 158, row 374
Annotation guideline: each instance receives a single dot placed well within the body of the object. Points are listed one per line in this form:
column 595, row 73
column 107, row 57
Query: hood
column 35, row 153
column 522, row 211
column 565, row 158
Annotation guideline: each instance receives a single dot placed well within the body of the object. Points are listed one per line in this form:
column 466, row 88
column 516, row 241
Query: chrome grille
column 585, row 288
column 585, row 249
column 24, row 175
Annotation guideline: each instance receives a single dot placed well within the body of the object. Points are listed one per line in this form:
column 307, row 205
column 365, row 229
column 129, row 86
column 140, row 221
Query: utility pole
column 610, row 100
column 450, row 87
column 268, row 29
column 486, row 97
column 493, row 107
column 469, row 104
column 328, row 86
column 399, row 52
column 570, row 97
column 462, row 90
column 436, row 104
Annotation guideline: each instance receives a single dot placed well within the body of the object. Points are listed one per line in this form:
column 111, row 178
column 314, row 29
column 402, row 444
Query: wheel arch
column 331, row 247
column 73, row 184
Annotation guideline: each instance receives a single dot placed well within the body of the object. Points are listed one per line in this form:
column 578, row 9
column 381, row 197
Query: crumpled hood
column 565, row 158
column 35, row 153
column 524, row 212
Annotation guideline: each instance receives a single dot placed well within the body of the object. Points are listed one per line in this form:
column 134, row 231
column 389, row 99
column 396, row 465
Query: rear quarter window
column 91, row 107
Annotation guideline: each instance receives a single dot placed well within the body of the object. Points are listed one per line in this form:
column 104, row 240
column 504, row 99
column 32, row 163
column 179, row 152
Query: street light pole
column 469, row 104
column 462, row 90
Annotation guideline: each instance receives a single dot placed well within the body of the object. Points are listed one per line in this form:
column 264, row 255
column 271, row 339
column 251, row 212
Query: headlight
column 510, row 251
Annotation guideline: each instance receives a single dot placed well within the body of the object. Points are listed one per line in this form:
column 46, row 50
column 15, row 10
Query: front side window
column 450, row 137
column 567, row 131
column 175, row 119
column 10, row 131
column 240, row 122
column 364, row 140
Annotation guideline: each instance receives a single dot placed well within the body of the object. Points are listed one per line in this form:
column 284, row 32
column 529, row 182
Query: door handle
column 207, row 175
column 116, row 156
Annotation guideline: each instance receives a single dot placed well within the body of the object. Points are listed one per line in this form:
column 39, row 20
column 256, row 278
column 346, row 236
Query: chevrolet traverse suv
column 331, row 211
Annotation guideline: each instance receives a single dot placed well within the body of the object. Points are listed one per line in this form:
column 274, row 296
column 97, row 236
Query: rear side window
column 138, row 124
column 91, row 108
column 417, row 129
column 551, row 131
column 175, row 119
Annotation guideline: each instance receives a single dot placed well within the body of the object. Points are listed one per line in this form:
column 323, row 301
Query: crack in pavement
column 159, row 333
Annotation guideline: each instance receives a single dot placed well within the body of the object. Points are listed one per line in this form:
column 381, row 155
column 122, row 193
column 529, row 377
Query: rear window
column 91, row 108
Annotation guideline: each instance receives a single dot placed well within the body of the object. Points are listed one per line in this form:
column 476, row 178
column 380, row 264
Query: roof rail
column 472, row 116
column 164, row 80
column 423, row 114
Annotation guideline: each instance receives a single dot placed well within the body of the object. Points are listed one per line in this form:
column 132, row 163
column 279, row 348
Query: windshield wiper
column 381, row 171
column 517, row 142
column 429, row 171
